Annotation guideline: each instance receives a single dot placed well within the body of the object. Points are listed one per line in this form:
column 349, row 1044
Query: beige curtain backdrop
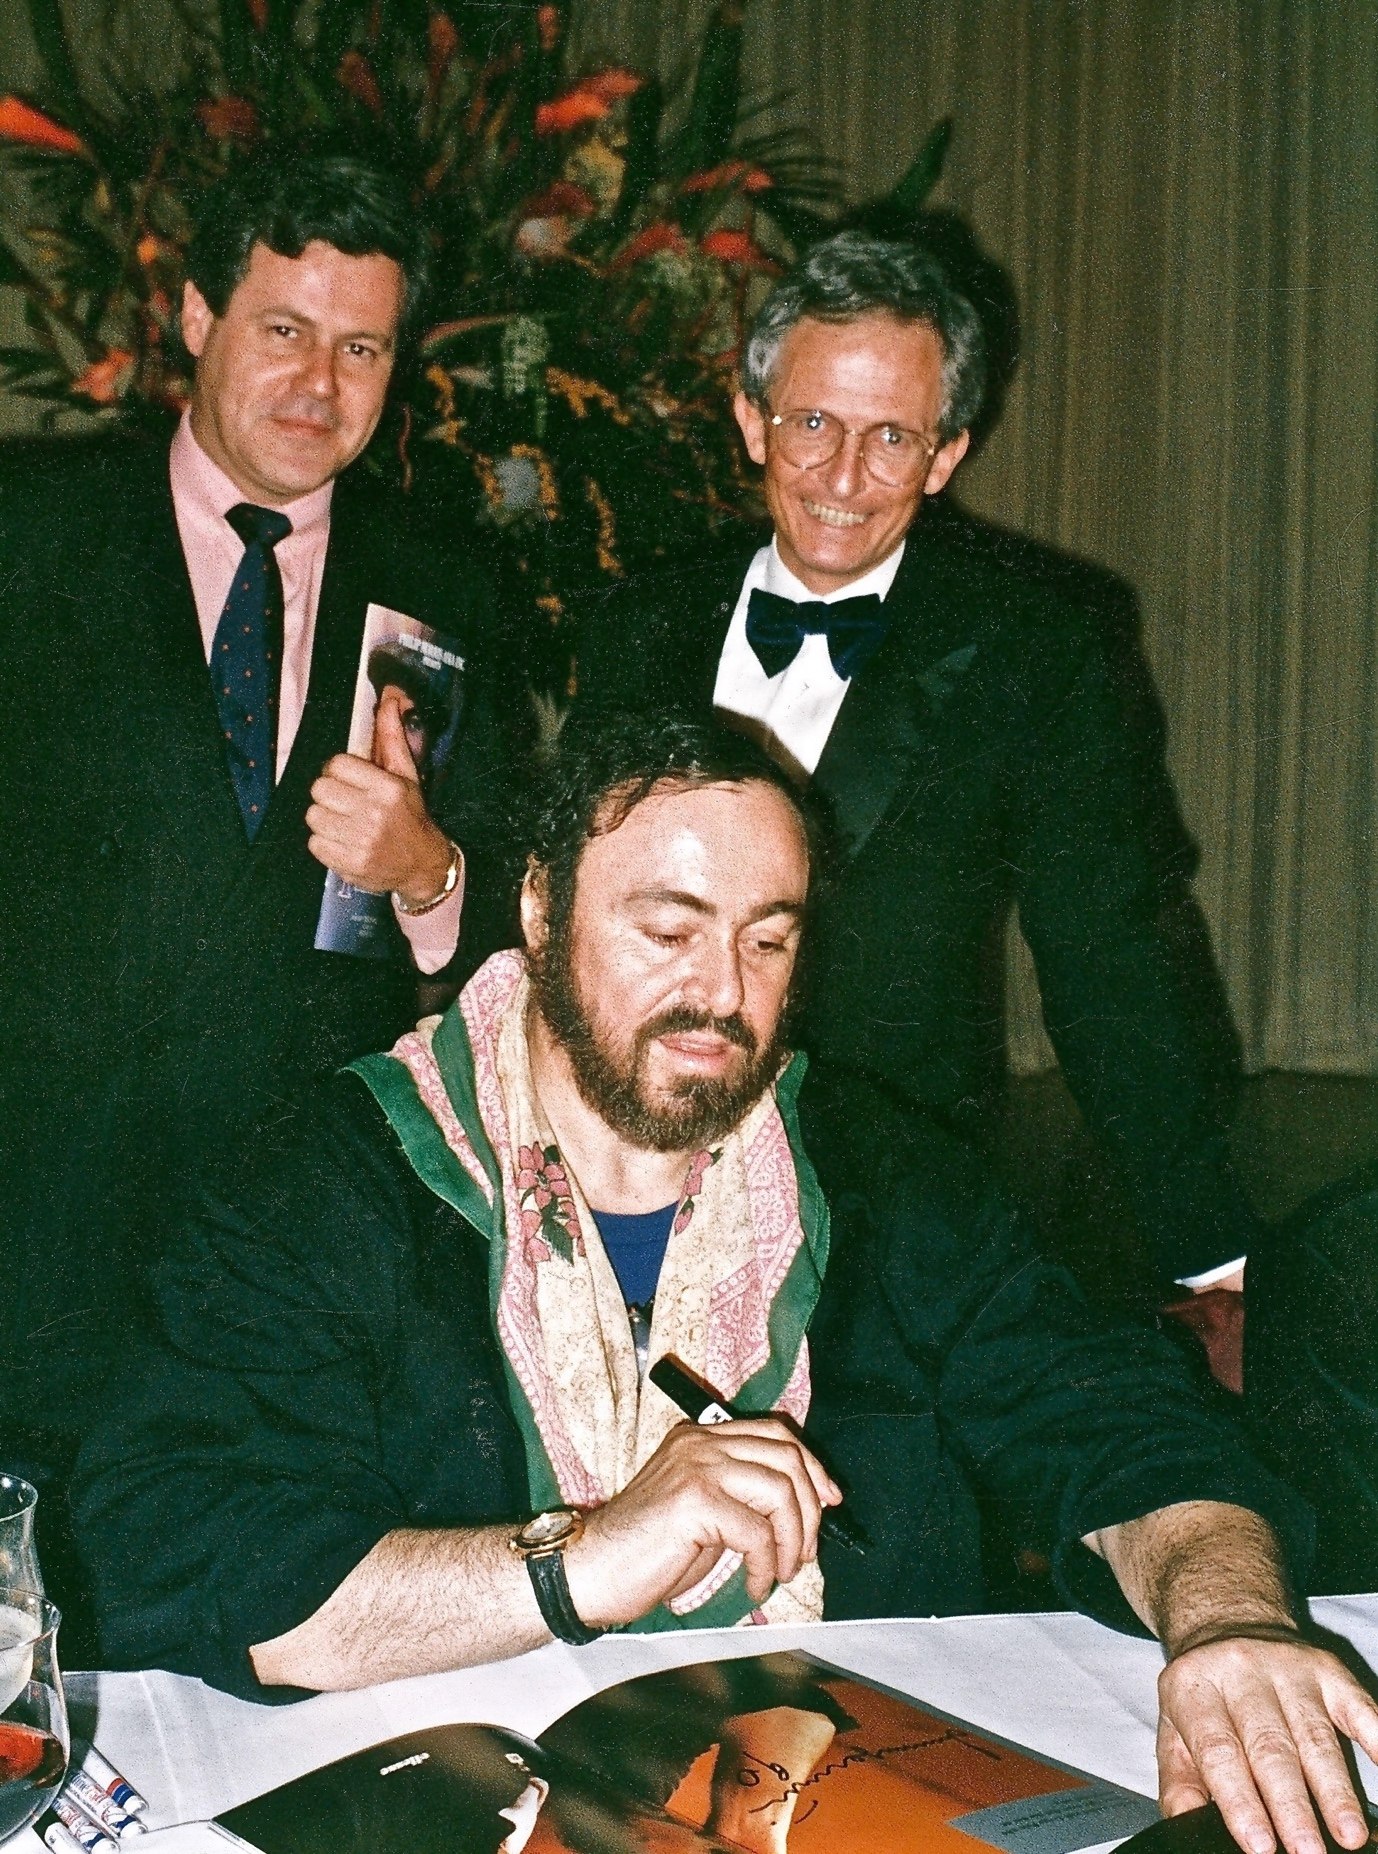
column 1185, row 193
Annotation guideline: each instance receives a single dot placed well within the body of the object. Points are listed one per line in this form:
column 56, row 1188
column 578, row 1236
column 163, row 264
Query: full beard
column 697, row 1112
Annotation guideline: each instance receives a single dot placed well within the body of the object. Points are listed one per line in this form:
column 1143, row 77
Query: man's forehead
column 682, row 837
column 850, row 350
column 322, row 278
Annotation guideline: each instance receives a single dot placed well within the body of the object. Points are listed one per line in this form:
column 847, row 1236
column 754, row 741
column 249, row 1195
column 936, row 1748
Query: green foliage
column 593, row 270
column 50, row 36
column 716, row 98
column 922, row 176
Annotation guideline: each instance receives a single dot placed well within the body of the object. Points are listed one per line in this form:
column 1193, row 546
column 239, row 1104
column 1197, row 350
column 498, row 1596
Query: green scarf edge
column 394, row 1088
column 793, row 1306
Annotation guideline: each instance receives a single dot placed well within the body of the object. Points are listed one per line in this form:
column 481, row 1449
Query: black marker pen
column 702, row 1405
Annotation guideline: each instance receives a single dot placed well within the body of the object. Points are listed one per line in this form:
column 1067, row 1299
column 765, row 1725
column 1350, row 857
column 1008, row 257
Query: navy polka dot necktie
column 246, row 661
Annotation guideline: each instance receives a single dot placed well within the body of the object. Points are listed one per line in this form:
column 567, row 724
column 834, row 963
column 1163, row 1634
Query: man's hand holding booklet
column 372, row 815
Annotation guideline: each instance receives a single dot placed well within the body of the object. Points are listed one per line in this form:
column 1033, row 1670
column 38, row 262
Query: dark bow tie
column 776, row 627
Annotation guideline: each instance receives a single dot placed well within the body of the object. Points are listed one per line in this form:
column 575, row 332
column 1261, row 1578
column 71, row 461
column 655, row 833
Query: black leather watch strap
column 548, row 1579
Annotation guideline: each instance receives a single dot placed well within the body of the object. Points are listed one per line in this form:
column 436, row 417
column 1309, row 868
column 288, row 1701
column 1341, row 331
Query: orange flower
column 149, row 249
column 607, row 529
column 355, row 75
column 569, row 111
column 548, row 27
column 730, row 174
column 104, row 378
column 612, row 86
column 442, row 42
column 228, row 119
column 662, row 236
column 735, row 248
column 20, row 122
column 580, row 394
column 588, row 101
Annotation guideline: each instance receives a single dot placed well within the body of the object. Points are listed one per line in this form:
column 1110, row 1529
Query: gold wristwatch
column 542, row 1542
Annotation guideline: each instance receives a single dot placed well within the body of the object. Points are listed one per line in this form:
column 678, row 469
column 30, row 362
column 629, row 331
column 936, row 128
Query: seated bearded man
column 397, row 1417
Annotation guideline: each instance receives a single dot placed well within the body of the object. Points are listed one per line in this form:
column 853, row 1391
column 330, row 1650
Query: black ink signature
column 749, row 1778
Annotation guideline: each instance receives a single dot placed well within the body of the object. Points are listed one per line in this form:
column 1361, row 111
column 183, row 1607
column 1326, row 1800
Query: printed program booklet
column 419, row 673
column 774, row 1754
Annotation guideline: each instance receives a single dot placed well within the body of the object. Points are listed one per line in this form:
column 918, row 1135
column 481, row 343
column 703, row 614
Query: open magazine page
column 774, row 1754
column 419, row 672
column 784, row 1753
column 456, row 1789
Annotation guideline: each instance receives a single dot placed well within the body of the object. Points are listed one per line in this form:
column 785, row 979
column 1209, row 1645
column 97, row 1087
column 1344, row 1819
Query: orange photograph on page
column 781, row 1754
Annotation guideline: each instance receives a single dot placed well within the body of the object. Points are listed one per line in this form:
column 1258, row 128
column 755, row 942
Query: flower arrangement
column 594, row 262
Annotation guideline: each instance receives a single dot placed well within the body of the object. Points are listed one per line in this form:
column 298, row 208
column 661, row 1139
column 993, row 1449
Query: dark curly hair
column 609, row 759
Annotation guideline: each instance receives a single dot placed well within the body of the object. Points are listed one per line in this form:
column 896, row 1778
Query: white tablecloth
column 1058, row 1683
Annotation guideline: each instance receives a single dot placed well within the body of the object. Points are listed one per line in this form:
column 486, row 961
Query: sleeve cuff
column 1088, row 1583
column 273, row 1605
column 1209, row 1276
column 434, row 937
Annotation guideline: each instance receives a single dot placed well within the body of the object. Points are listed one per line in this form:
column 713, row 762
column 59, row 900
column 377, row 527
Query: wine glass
column 34, row 1741
column 18, row 1557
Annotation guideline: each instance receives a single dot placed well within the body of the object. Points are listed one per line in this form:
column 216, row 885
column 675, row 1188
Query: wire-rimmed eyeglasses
column 892, row 453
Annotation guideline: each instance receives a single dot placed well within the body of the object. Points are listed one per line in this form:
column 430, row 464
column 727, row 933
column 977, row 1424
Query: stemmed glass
column 34, row 1741
column 18, row 1556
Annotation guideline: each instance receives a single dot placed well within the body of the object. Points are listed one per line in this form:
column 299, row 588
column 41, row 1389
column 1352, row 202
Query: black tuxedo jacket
column 985, row 757
column 161, row 987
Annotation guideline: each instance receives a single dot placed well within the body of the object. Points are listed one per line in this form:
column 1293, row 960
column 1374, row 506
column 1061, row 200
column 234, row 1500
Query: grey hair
column 854, row 274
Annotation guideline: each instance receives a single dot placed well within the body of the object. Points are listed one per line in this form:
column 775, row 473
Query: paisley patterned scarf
column 741, row 1275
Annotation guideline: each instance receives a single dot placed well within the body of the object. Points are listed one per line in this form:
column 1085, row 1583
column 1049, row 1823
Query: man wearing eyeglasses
column 963, row 720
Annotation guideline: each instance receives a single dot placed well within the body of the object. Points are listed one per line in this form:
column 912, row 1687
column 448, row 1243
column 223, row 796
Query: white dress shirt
column 791, row 713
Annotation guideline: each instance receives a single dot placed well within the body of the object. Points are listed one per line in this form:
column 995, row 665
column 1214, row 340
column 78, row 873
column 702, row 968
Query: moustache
column 732, row 1029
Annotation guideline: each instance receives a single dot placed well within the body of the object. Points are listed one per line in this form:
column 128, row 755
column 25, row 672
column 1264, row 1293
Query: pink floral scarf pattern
column 559, row 1314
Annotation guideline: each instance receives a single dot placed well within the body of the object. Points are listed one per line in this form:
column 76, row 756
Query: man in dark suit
column 963, row 720
column 168, row 834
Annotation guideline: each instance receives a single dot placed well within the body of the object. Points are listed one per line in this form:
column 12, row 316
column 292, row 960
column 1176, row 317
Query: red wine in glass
column 32, row 1764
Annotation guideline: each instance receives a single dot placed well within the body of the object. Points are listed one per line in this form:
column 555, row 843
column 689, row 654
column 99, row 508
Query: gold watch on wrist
column 542, row 1542
column 447, row 888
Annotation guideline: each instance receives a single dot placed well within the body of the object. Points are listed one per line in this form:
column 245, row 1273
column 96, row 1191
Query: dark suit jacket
column 161, row 987
column 984, row 758
column 322, row 1369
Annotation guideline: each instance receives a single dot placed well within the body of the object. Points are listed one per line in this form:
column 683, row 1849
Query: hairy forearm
column 1250, row 1712
column 1190, row 1569
column 419, row 1603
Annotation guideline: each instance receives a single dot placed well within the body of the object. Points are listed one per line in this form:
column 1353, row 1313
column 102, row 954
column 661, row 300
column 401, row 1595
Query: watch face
column 548, row 1529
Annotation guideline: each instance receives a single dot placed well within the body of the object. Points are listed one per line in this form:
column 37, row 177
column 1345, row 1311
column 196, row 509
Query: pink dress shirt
column 201, row 495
